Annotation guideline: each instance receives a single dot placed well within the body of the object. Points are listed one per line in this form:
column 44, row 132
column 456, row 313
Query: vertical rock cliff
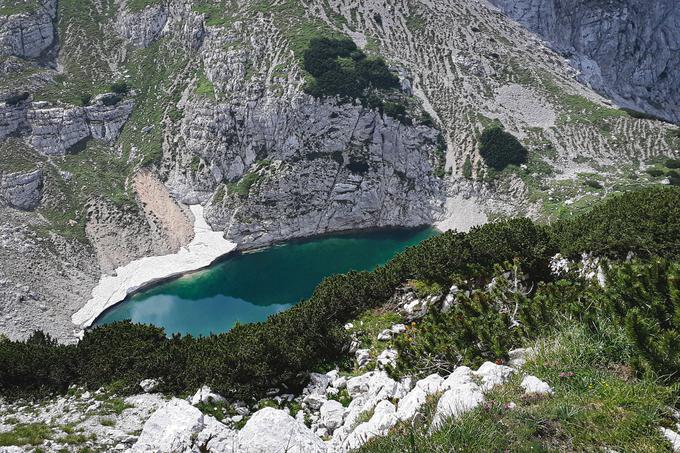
column 628, row 49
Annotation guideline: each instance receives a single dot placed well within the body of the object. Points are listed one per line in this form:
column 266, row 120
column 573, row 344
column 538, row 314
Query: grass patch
column 114, row 406
column 597, row 405
column 242, row 187
column 26, row 434
column 370, row 324
column 204, row 87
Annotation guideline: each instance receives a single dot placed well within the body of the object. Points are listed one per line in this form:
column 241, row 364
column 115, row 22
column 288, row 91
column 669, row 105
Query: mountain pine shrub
column 500, row 149
column 644, row 297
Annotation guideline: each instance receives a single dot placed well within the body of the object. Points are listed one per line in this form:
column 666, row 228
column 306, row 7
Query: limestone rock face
column 332, row 167
column 274, row 431
column 626, row 49
column 143, row 27
column 28, row 33
column 54, row 130
column 22, row 190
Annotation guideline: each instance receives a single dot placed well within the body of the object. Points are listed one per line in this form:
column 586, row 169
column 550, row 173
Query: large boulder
column 271, row 430
column 331, row 415
column 456, row 401
column 171, row 429
column 409, row 406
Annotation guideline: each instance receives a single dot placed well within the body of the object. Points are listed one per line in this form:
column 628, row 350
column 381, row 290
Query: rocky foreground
column 315, row 421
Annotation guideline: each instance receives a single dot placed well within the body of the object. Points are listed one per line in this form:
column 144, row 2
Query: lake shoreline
column 293, row 269
column 203, row 250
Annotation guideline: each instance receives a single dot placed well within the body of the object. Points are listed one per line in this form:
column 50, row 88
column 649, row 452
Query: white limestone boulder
column 216, row 437
column 673, row 437
column 149, row 385
column 271, row 430
column 363, row 356
column 461, row 375
column 331, row 415
column 206, row 395
column 314, row 401
column 385, row 335
column 430, row 384
column 171, row 429
column 461, row 398
column 384, row 417
column 398, row 328
column 318, row 383
column 534, row 386
column 410, row 405
column 387, row 358
column 493, row 375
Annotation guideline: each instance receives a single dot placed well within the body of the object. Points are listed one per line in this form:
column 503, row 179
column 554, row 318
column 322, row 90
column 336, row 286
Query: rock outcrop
column 274, row 431
column 22, row 190
column 143, row 27
column 29, row 31
column 178, row 427
column 628, row 50
column 55, row 130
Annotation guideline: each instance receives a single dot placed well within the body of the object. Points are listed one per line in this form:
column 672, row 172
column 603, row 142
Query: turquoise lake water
column 249, row 287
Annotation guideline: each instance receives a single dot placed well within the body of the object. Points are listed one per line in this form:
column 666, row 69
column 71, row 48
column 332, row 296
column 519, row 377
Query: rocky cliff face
column 54, row 130
column 628, row 50
column 276, row 163
column 22, row 190
column 29, row 30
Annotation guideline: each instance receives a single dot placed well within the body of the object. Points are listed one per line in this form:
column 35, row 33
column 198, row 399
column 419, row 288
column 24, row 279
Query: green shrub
column 500, row 149
column 397, row 110
column 645, row 222
column 672, row 163
column 593, row 184
column 85, row 99
column 358, row 166
column 120, row 87
column 339, row 68
column 467, row 168
column 654, row 172
column 111, row 100
column 645, row 298
column 674, row 177
column 15, row 99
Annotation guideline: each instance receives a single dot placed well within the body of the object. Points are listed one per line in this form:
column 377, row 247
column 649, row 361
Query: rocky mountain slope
column 207, row 100
column 626, row 51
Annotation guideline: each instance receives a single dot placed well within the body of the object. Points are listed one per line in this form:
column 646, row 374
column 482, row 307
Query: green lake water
column 249, row 287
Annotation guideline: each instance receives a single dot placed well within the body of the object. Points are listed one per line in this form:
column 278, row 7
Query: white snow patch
column 203, row 250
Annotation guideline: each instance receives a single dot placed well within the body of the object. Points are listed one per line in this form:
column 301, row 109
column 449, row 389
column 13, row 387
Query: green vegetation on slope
column 500, row 149
column 597, row 404
column 339, row 68
column 251, row 358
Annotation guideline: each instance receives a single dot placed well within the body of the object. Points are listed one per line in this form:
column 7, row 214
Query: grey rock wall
column 54, row 130
column 627, row 49
column 320, row 165
column 22, row 190
column 28, row 34
column 143, row 27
